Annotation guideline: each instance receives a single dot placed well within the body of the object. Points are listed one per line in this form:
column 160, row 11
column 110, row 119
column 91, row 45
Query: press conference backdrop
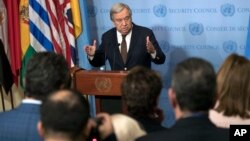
column 210, row 29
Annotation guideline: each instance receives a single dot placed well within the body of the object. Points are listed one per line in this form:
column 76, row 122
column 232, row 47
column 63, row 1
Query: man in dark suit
column 45, row 72
column 192, row 94
column 127, row 45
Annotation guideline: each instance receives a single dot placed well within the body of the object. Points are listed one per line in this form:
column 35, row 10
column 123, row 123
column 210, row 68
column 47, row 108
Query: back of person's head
column 45, row 73
column 64, row 114
column 233, row 86
column 140, row 90
column 126, row 128
column 194, row 83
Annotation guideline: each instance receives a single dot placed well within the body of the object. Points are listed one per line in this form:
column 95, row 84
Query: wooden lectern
column 98, row 83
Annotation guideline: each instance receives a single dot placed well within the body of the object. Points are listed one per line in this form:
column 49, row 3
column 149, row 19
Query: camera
column 94, row 133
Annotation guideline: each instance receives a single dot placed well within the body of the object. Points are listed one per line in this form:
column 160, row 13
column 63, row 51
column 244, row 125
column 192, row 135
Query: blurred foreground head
column 45, row 73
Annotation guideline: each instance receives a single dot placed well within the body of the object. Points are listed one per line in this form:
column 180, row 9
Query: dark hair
column 194, row 83
column 140, row 91
column 66, row 112
column 45, row 73
column 233, row 86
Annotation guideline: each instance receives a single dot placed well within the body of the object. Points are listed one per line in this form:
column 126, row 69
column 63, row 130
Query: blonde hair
column 233, row 86
column 126, row 128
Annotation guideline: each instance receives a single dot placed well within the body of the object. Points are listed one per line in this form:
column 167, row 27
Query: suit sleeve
column 160, row 56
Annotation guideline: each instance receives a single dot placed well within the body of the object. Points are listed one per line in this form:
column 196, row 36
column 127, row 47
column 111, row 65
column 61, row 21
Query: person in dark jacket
column 139, row 43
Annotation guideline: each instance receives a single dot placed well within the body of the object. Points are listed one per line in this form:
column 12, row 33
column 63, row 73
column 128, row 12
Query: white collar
column 32, row 101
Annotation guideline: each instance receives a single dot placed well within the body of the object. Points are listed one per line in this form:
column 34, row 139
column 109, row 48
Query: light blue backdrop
column 211, row 29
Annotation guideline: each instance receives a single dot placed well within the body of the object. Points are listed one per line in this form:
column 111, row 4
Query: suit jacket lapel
column 133, row 41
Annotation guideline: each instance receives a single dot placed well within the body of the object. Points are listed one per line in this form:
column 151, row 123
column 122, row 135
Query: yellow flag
column 24, row 25
column 75, row 8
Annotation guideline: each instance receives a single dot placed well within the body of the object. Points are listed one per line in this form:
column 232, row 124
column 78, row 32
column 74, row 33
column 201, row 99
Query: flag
column 81, row 40
column 62, row 29
column 54, row 27
column 26, row 50
column 69, row 31
column 14, row 37
column 76, row 15
column 84, row 37
column 6, row 77
column 247, row 51
column 40, row 36
column 4, row 28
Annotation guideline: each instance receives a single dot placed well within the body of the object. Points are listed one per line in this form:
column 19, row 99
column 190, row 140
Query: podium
column 98, row 83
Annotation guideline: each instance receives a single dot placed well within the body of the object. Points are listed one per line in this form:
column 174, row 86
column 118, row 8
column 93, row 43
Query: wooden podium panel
column 98, row 83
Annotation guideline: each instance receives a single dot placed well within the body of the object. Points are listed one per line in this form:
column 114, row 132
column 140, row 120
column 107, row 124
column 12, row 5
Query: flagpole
column 1, row 90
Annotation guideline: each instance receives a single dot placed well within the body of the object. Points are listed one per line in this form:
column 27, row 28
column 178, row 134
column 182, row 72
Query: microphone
column 117, row 45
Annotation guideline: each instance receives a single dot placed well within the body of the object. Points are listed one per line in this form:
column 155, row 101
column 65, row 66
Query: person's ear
column 172, row 97
column 40, row 129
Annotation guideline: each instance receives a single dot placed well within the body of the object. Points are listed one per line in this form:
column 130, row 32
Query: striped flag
column 54, row 27
column 247, row 51
column 68, row 27
column 62, row 29
column 40, row 36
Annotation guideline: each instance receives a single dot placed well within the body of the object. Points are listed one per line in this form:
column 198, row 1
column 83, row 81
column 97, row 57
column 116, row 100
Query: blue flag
column 247, row 51
column 81, row 41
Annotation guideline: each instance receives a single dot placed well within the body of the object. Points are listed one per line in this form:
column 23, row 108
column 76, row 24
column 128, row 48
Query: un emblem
column 227, row 10
column 103, row 84
column 160, row 10
column 196, row 28
column 164, row 46
column 229, row 46
column 92, row 11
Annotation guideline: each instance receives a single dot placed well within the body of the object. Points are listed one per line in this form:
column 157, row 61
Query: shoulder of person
column 110, row 31
column 143, row 28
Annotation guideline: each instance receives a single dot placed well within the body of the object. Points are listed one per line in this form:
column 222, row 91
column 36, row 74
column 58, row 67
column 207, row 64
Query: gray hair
column 117, row 8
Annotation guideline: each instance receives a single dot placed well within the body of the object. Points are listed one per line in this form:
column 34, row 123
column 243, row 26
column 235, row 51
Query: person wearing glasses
column 126, row 45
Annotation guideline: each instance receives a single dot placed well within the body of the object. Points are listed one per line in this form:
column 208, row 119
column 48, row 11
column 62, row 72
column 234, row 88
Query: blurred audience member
column 192, row 94
column 233, row 92
column 45, row 72
column 126, row 128
column 140, row 90
column 65, row 117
